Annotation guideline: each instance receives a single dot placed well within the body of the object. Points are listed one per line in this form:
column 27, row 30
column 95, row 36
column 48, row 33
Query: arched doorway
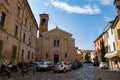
column 56, row 58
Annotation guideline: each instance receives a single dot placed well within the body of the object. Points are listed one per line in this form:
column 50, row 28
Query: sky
column 85, row 19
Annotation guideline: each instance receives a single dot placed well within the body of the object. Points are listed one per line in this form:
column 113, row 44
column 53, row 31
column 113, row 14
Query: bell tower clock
column 44, row 22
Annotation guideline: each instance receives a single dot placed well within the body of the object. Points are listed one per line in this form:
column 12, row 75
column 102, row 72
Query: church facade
column 54, row 45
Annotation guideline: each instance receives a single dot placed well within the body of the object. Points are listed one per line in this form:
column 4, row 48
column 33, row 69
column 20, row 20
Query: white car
column 45, row 66
column 103, row 65
column 61, row 66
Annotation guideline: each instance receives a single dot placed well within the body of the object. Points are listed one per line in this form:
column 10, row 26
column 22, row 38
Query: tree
column 86, row 57
column 103, row 51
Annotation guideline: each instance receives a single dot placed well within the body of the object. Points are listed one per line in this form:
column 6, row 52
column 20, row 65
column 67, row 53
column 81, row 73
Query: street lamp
column 117, row 3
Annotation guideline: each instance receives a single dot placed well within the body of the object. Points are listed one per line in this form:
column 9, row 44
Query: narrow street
column 87, row 72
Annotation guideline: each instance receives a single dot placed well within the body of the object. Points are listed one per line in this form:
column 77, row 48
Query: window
column 43, row 22
column 2, row 19
column 118, row 32
column 16, row 31
column 24, row 37
column 56, row 43
column 46, row 55
column 32, row 55
column 25, row 21
column 111, row 31
column 65, row 56
column 30, row 27
column 14, row 52
column 109, row 48
column 29, row 41
column 18, row 10
column 107, row 34
column 1, row 46
column 22, row 56
column 114, row 46
column 28, row 55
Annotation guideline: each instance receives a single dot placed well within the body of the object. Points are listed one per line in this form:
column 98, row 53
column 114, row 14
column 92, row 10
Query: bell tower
column 44, row 22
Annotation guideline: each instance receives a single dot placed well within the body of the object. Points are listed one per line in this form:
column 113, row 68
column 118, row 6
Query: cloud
column 107, row 2
column 46, row 4
column 87, row 9
column 107, row 19
column 103, row 2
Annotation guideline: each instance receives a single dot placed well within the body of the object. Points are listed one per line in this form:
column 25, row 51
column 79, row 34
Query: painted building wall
column 111, row 40
column 19, row 15
column 116, row 34
column 97, row 43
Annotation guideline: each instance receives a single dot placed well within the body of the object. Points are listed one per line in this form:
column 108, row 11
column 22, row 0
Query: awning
column 78, row 52
column 110, row 55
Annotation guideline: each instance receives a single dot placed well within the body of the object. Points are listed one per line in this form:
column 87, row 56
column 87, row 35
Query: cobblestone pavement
column 87, row 72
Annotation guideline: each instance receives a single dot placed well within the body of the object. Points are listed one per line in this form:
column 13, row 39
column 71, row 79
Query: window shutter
column 118, row 31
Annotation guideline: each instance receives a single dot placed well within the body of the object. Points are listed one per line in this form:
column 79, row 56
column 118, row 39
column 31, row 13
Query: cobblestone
column 87, row 72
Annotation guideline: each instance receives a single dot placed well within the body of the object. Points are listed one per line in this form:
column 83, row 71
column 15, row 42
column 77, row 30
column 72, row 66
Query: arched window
column 54, row 43
column 2, row 19
column 65, row 55
column 1, row 46
column 57, row 43
column 46, row 55
column 28, row 55
column 32, row 55
column 24, row 35
column 43, row 22
column 22, row 58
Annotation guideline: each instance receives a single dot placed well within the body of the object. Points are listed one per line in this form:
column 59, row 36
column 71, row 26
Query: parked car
column 45, row 66
column 103, row 65
column 79, row 64
column 38, row 68
column 50, row 65
column 37, row 63
column 61, row 66
column 74, row 65
column 68, row 67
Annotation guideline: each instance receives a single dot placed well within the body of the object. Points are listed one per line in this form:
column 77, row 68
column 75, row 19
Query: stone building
column 18, row 31
column 54, row 45
column 79, row 55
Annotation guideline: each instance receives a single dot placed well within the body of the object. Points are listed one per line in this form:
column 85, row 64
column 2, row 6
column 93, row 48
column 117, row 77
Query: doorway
column 56, row 58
